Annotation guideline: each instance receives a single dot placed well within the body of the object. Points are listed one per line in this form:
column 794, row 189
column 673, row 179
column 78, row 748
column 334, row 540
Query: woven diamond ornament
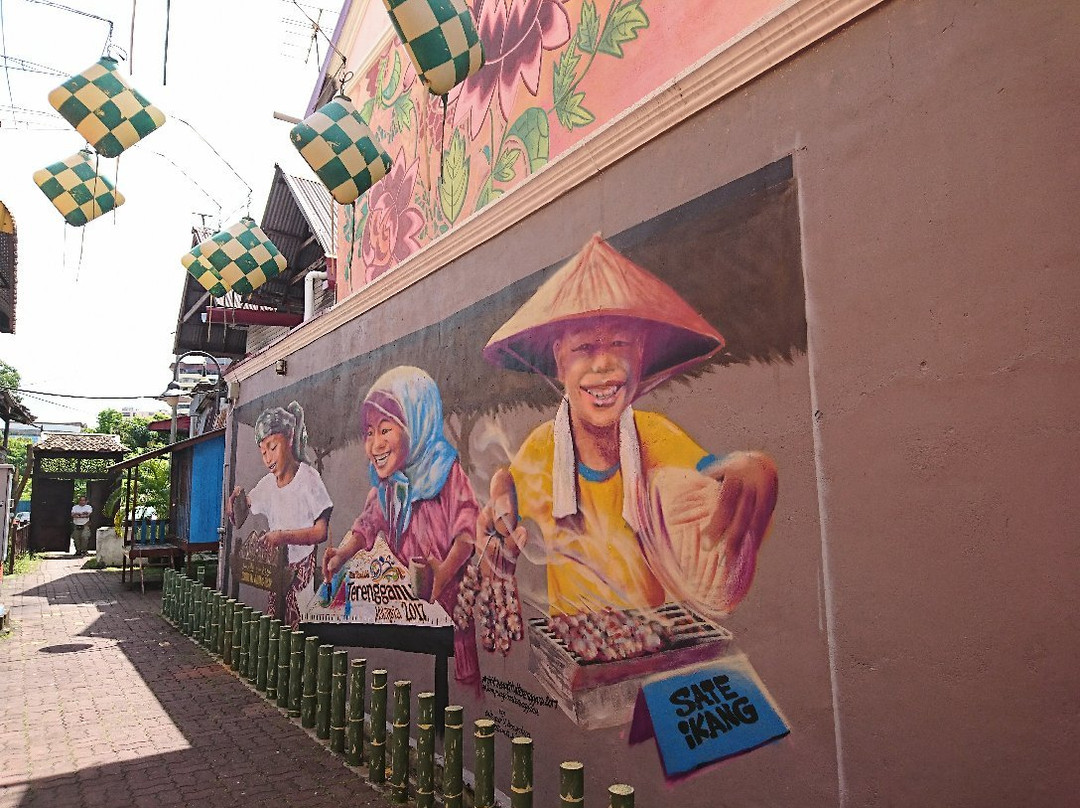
column 341, row 150
column 241, row 258
column 77, row 190
column 440, row 38
column 105, row 109
column 202, row 271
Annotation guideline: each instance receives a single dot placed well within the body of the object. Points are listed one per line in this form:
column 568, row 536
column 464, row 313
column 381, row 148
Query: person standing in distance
column 80, row 526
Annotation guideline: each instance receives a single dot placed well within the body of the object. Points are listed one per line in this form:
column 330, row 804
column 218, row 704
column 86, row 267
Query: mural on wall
column 294, row 506
column 554, row 72
column 521, row 482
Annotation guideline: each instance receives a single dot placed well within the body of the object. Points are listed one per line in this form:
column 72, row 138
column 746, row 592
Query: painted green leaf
column 533, row 130
column 487, row 194
column 486, row 151
column 588, row 28
column 367, row 110
column 564, row 73
column 483, row 197
column 454, row 183
column 622, row 26
column 391, row 87
column 403, row 109
column 571, row 114
column 504, row 168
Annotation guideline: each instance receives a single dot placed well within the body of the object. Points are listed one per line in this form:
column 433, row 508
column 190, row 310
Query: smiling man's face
column 599, row 365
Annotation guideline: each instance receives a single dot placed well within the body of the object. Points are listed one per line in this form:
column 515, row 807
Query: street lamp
column 174, row 393
column 172, row 396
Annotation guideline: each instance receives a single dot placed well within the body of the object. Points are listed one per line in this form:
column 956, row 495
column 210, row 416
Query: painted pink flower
column 393, row 221
column 515, row 34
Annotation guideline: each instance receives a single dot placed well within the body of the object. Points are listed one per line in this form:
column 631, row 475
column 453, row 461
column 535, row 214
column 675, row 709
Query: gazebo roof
column 80, row 443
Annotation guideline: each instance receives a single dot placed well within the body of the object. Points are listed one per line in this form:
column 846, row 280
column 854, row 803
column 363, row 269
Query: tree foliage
column 10, row 378
column 153, row 474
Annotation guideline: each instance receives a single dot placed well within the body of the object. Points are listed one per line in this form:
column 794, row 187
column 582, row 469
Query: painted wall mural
column 544, row 475
column 555, row 71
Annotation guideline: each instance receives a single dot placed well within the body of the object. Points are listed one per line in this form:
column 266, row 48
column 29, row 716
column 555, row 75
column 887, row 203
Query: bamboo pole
column 425, row 750
column 253, row 647
column 189, row 621
column 337, row 701
column 264, row 653
column 237, row 637
column 571, row 784
column 311, row 670
column 296, row 674
column 323, row 680
column 228, row 637
column 222, row 623
column 214, row 638
column 166, row 582
column 377, row 757
column 621, row 795
column 272, row 659
column 200, row 613
column 245, row 640
column 354, row 733
column 521, row 773
column 284, row 657
column 484, row 790
column 453, row 756
column 185, row 620
column 399, row 742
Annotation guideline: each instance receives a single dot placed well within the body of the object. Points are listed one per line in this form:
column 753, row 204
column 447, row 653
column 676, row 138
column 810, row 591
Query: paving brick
column 107, row 705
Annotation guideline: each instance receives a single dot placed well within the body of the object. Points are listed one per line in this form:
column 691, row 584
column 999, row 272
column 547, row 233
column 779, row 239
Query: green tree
column 153, row 474
column 17, row 449
column 10, row 378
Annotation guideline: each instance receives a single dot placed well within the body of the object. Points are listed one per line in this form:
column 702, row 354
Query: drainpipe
column 309, row 293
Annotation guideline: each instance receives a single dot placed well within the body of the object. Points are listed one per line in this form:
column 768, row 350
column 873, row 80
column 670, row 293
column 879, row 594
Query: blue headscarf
column 410, row 397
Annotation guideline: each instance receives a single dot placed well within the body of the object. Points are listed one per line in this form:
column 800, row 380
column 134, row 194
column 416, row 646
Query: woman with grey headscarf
column 293, row 499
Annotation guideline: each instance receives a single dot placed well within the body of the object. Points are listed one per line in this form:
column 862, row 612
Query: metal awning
column 131, row 462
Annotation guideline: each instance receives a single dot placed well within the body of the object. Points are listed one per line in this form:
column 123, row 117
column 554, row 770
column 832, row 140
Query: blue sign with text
column 710, row 713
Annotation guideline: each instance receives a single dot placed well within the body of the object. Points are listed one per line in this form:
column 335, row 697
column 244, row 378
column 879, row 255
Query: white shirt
column 80, row 514
column 297, row 505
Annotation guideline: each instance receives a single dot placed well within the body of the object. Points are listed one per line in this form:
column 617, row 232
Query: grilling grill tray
column 601, row 693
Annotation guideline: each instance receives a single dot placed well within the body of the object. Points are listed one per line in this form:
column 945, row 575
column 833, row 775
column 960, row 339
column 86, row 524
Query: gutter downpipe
column 309, row 293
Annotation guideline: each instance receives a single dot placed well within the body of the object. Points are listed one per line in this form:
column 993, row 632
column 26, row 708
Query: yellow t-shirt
column 594, row 559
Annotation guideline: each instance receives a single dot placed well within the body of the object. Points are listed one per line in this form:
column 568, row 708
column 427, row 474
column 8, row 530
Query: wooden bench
column 147, row 540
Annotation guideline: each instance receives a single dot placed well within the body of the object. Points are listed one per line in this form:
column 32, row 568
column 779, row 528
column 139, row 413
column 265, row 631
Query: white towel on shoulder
column 564, row 467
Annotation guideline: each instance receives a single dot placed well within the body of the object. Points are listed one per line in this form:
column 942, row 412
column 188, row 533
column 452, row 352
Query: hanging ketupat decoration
column 341, row 150
column 440, row 38
column 105, row 109
column 240, row 259
column 77, row 190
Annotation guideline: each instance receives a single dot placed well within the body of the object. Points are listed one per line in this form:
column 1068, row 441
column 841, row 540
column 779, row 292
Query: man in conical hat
column 632, row 512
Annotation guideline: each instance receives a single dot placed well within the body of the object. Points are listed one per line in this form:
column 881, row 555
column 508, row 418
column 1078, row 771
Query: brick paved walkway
column 103, row 704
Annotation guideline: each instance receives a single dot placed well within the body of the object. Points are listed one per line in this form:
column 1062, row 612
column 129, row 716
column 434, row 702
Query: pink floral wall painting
column 498, row 126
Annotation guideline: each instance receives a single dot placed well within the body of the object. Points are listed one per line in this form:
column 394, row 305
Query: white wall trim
column 728, row 67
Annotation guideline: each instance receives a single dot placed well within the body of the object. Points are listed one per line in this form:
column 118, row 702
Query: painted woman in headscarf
column 421, row 499
column 293, row 499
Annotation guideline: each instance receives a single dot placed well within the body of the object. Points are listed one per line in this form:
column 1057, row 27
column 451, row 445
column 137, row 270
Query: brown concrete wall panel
column 921, row 568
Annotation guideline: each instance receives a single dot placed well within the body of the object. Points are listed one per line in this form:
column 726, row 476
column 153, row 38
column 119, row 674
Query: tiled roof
column 80, row 442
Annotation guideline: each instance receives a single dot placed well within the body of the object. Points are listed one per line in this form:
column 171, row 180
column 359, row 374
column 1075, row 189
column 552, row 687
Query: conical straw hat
column 601, row 282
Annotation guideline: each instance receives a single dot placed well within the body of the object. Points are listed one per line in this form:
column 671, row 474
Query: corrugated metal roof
column 315, row 203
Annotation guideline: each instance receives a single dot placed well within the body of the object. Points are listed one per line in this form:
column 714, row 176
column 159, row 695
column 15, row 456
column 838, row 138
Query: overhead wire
column 72, row 395
column 3, row 45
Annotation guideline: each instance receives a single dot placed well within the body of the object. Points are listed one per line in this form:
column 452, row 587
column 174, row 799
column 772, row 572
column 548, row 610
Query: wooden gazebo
column 59, row 460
